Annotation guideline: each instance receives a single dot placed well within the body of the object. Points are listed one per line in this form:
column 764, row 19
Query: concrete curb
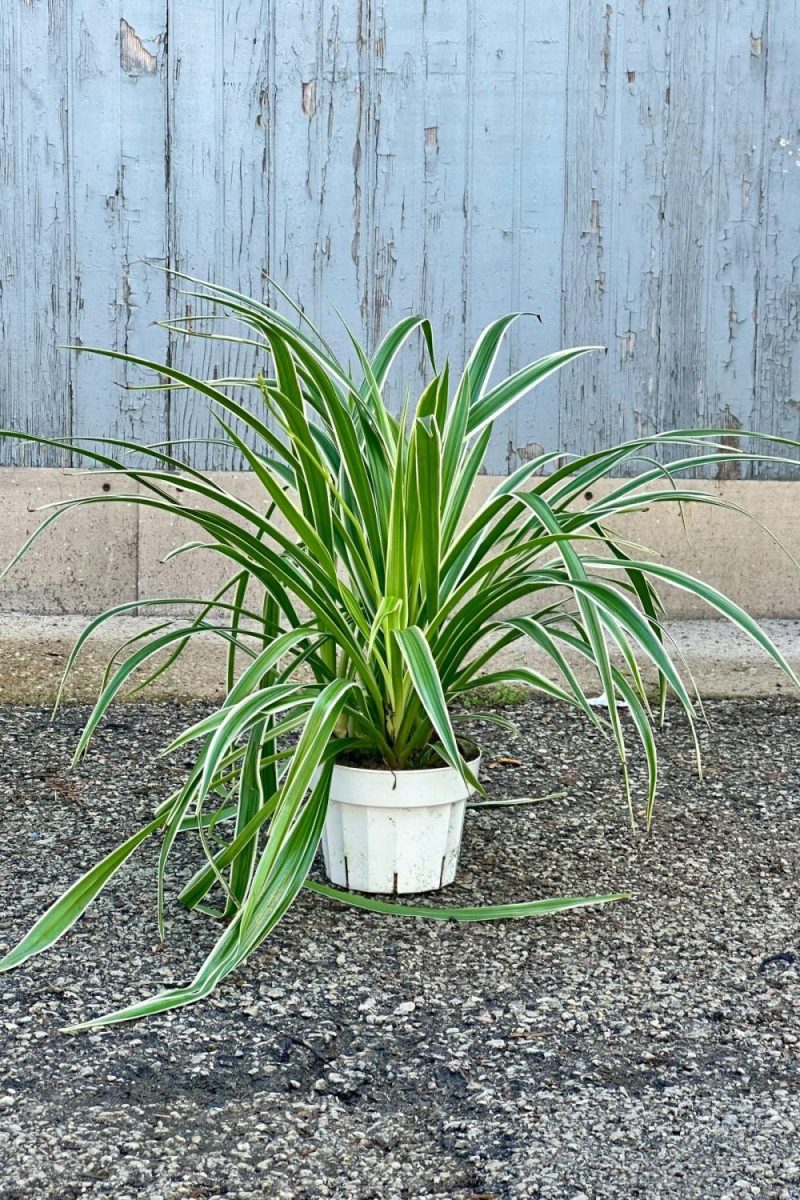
column 34, row 650
column 92, row 559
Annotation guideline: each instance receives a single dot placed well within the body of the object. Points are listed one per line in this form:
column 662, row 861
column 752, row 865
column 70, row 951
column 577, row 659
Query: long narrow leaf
column 487, row 912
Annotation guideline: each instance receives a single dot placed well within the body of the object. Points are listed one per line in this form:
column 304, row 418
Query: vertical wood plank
column 302, row 93
column 327, row 266
column 539, row 182
column 586, row 309
column 488, row 265
column 219, row 196
column 36, row 277
column 97, row 190
column 320, row 149
column 118, row 227
column 692, row 183
column 635, row 219
column 777, row 393
column 439, row 211
column 735, row 222
column 402, row 149
column 143, row 211
column 196, row 208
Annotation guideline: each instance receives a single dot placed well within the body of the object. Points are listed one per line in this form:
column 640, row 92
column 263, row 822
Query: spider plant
column 364, row 602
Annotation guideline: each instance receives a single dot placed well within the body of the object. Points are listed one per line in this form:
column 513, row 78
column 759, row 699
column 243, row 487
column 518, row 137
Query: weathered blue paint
column 629, row 171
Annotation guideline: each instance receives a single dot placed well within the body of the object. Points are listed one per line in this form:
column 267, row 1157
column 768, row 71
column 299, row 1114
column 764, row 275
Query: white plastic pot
column 394, row 831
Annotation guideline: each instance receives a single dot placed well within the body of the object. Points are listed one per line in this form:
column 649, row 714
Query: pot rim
column 423, row 772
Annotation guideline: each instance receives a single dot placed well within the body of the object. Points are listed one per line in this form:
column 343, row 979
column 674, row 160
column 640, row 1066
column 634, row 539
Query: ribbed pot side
column 394, row 831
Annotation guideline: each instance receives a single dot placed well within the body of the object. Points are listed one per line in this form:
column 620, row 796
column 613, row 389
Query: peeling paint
column 308, row 102
column 355, row 244
column 526, row 453
column 448, row 162
column 134, row 58
column 733, row 469
column 607, row 39
column 627, row 345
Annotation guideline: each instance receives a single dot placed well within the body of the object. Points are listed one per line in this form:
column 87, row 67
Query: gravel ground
column 645, row 1049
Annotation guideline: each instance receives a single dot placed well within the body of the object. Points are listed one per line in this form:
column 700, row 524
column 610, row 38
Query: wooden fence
column 630, row 171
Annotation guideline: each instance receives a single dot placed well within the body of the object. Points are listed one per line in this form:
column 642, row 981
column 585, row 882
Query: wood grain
column 37, row 279
column 630, row 172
